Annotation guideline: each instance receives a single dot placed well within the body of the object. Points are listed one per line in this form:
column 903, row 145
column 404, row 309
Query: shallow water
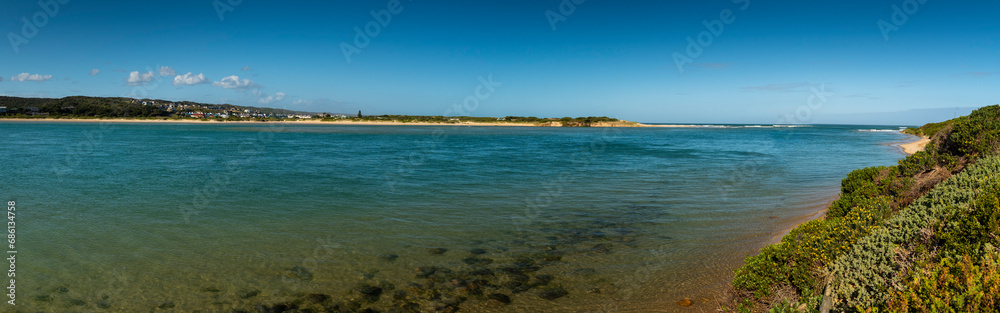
column 149, row 217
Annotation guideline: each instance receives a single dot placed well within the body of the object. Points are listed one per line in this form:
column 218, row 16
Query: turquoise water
column 220, row 217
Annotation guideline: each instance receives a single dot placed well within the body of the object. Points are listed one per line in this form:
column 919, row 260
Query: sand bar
column 318, row 122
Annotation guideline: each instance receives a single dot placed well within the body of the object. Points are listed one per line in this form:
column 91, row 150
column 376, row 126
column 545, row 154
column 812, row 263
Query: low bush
column 864, row 276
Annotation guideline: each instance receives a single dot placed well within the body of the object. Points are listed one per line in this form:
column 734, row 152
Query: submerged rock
column 389, row 257
column 210, row 289
column 482, row 272
column 438, row 250
column 586, row 271
column 552, row 293
column 103, row 304
column 166, row 305
column 61, row 289
column 299, row 272
column 477, row 251
column 368, row 292
column 542, row 280
column 601, row 248
column 247, row 293
column 42, row 298
column 499, row 297
column 685, row 302
column 424, row 272
column 77, row 302
column 399, row 295
column 316, row 297
column 477, row 261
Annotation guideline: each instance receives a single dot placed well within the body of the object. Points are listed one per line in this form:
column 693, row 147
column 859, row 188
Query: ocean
column 131, row 217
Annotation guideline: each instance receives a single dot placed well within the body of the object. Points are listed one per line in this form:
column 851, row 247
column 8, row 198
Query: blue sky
column 769, row 61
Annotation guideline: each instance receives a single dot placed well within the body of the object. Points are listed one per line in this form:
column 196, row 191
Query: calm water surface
column 179, row 217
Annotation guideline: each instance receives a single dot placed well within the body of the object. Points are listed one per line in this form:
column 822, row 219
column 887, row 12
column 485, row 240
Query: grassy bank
column 917, row 236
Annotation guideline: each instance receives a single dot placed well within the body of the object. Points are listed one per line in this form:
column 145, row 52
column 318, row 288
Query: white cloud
column 271, row 99
column 139, row 79
column 234, row 82
column 190, row 80
column 24, row 77
column 302, row 101
column 94, row 72
column 246, row 68
column 167, row 71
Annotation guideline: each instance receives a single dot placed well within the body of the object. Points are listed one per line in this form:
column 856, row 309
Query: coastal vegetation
column 564, row 122
column 918, row 236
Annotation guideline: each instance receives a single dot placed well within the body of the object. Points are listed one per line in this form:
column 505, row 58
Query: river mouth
column 193, row 218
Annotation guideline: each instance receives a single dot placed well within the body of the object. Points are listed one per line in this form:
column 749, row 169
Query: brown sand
column 916, row 146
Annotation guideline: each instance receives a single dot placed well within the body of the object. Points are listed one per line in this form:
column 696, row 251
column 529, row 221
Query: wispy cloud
column 973, row 74
column 246, row 68
column 271, row 99
column 25, row 77
column 167, row 71
column 189, row 79
column 777, row 87
column 234, row 82
column 94, row 72
column 138, row 79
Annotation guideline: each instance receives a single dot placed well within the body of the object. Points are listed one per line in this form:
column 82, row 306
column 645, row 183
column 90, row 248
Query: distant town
column 101, row 107
column 198, row 110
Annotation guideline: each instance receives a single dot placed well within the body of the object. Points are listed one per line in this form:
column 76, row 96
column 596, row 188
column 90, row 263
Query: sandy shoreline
column 916, row 146
column 316, row 122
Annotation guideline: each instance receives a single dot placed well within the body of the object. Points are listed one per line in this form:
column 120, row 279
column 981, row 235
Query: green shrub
column 967, row 277
column 917, row 163
column 812, row 245
column 952, row 285
column 968, row 231
column 931, row 129
column 866, row 250
column 979, row 133
column 859, row 185
column 863, row 276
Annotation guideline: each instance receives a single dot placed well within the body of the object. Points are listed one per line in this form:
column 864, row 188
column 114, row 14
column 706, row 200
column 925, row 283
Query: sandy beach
column 916, row 146
column 318, row 122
